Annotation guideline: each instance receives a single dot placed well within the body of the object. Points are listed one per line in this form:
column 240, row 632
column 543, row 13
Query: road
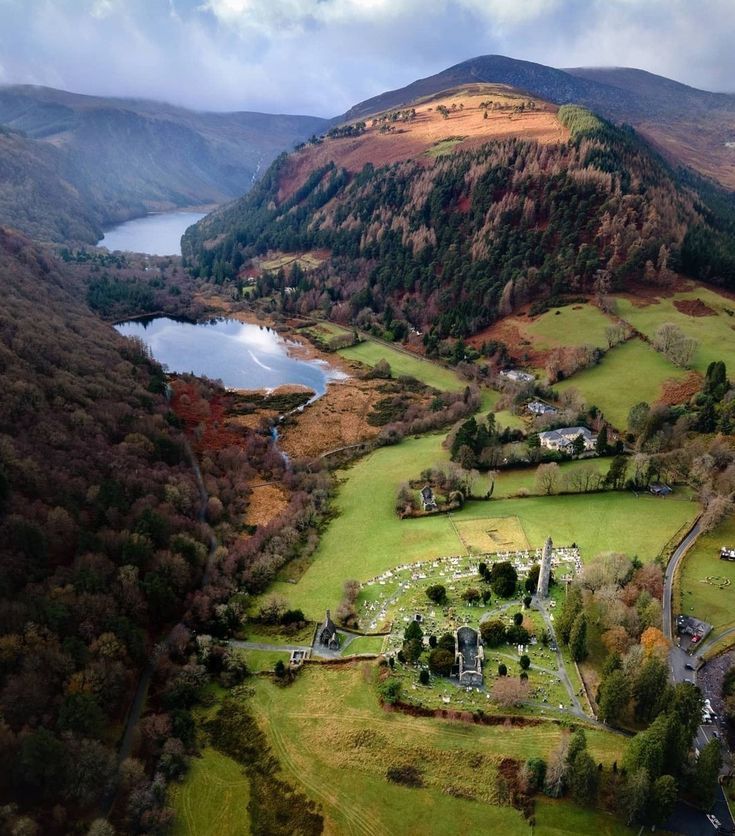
column 669, row 575
column 687, row 819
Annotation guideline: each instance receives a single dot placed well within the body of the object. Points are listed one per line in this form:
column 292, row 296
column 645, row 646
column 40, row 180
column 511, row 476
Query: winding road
column 687, row 819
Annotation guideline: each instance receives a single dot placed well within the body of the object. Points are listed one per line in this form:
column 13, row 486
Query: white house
column 517, row 376
column 563, row 438
column 541, row 408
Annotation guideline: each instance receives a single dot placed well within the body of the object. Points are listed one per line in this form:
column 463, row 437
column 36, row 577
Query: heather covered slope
column 125, row 157
column 451, row 243
column 692, row 127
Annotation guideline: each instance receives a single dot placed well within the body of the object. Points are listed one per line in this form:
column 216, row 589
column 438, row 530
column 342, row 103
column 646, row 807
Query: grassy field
column 570, row 325
column 264, row 660
column 369, row 352
column 628, row 374
column 510, row 482
column 364, row 644
column 561, row 818
column 714, row 333
column 334, row 741
column 503, row 417
column 367, row 537
column 213, row 798
column 711, row 600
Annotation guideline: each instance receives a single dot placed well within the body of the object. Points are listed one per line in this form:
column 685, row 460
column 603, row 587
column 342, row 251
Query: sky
column 322, row 56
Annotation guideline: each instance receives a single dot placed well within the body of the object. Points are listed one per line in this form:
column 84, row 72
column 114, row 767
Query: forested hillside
column 37, row 198
column 106, row 160
column 450, row 243
column 99, row 531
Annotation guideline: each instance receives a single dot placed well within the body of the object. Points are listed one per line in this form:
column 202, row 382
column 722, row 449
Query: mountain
column 691, row 127
column 456, row 208
column 123, row 157
column 37, row 198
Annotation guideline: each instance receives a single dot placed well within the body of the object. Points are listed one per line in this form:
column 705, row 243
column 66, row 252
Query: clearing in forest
column 714, row 332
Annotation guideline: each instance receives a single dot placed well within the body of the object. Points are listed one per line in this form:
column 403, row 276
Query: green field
column 503, row 417
column 364, row 644
column 510, row 482
column 628, row 374
column 213, row 798
column 561, row 818
column 336, row 743
column 714, row 333
column 369, row 352
column 571, row 325
column 712, row 600
column 264, row 660
column 366, row 537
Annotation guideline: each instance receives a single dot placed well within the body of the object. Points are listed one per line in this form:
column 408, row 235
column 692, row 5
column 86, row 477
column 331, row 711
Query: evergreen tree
column 578, row 638
column 650, row 689
column 614, row 696
column 706, row 774
column 662, row 800
column 570, row 608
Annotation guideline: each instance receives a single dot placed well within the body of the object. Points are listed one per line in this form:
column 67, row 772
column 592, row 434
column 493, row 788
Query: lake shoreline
column 155, row 234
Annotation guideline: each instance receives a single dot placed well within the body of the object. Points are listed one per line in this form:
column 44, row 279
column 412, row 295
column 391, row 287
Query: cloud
column 322, row 56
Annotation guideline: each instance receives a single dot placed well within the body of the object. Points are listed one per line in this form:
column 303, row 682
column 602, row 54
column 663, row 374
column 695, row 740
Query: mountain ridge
column 125, row 157
column 669, row 114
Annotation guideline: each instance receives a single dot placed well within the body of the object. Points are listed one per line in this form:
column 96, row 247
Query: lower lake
column 156, row 234
column 241, row 355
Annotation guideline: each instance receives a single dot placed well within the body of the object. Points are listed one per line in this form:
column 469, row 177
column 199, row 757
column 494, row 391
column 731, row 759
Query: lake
column 241, row 355
column 156, row 234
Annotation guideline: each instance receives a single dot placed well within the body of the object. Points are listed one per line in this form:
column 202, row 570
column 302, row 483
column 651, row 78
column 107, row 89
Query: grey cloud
column 321, row 56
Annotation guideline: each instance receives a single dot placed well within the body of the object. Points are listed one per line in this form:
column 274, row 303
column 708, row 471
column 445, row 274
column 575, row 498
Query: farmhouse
column 427, row 498
column 328, row 633
column 468, row 655
column 517, row 376
column 563, row 438
column 541, row 408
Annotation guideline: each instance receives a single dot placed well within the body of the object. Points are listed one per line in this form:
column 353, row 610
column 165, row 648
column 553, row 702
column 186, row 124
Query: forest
column 450, row 247
column 114, row 555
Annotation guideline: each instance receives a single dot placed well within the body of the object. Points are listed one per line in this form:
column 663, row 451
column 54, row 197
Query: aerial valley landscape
column 368, row 472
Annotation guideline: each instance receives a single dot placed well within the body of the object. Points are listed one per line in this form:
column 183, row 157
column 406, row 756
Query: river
column 241, row 355
column 156, row 234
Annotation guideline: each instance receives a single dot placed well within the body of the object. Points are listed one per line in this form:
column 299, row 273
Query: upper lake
column 241, row 355
column 155, row 234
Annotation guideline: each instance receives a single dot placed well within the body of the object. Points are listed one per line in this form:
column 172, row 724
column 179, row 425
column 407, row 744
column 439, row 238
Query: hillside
column 37, row 198
column 450, row 242
column 692, row 127
column 125, row 157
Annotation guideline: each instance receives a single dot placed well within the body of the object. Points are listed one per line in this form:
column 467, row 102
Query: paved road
column 687, row 819
column 669, row 575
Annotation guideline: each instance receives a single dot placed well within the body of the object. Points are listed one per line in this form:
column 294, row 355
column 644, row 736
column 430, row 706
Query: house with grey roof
column 563, row 438
column 517, row 376
column 541, row 408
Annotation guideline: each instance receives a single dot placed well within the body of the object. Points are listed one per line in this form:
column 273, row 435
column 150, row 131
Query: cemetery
column 397, row 599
